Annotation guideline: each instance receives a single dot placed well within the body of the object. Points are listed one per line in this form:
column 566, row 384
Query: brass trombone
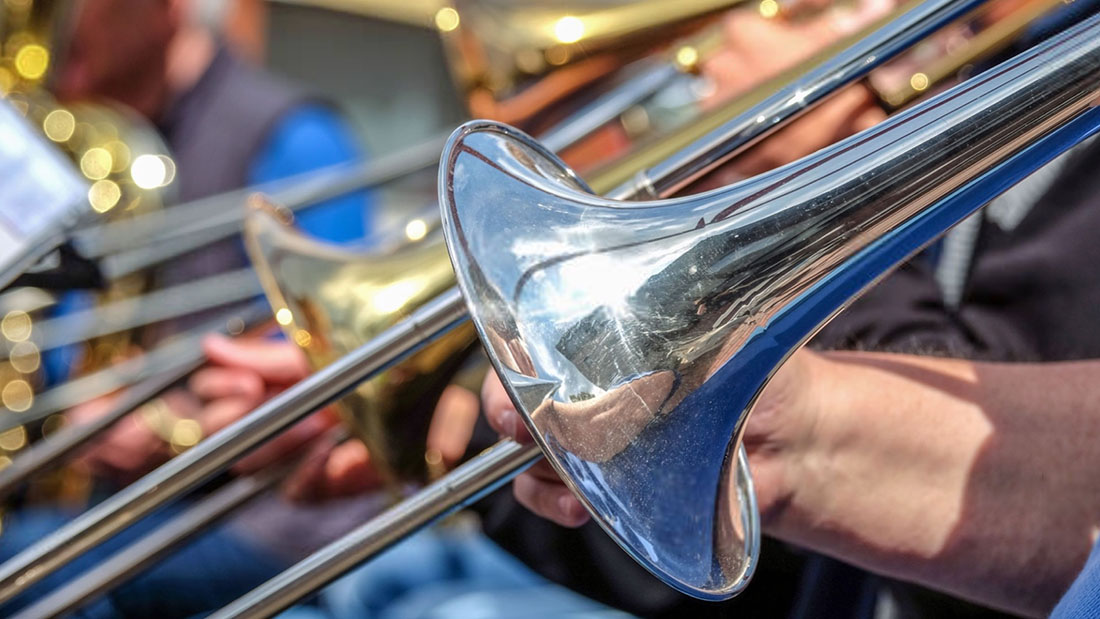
column 426, row 323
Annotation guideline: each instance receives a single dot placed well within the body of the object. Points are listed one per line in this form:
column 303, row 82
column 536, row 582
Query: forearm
column 978, row 479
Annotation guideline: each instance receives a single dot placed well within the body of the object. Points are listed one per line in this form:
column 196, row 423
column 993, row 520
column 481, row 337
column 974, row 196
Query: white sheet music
column 41, row 193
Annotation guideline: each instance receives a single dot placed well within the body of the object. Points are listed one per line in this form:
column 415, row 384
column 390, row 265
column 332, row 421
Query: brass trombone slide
column 218, row 451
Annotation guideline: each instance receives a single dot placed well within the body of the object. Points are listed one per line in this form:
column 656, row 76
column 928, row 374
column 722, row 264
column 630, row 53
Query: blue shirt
column 308, row 138
column 1082, row 601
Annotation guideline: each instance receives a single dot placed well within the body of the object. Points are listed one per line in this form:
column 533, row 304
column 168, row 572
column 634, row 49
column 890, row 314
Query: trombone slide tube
column 216, row 217
column 58, row 446
column 183, row 473
column 130, row 561
column 466, row 484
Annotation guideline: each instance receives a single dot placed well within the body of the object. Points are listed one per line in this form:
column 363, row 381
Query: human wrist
column 816, row 398
column 888, row 459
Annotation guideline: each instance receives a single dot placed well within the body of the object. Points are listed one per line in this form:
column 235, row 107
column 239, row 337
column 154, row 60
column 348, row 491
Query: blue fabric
column 57, row 363
column 310, row 137
column 209, row 573
column 1082, row 601
column 445, row 573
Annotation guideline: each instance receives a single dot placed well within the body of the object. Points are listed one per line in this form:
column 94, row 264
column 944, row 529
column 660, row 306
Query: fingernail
column 511, row 417
column 506, row 421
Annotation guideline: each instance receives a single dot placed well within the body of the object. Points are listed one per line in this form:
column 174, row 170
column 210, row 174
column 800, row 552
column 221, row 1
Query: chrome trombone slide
column 466, row 484
column 219, row 450
column 216, row 217
column 130, row 561
column 170, row 356
column 723, row 286
column 207, row 293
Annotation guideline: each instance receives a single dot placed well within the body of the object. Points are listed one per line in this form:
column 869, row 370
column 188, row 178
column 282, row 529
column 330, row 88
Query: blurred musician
column 228, row 125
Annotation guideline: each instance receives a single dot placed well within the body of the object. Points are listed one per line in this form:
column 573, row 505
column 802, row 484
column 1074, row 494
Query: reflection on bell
column 331, row 300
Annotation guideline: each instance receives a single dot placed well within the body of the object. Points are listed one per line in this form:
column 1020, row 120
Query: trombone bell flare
column 335, row 299
column 634, row 338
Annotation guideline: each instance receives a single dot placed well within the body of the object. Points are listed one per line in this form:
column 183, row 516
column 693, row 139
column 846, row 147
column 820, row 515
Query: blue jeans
column 439, row 573
column 209, row 572
column 445, row 573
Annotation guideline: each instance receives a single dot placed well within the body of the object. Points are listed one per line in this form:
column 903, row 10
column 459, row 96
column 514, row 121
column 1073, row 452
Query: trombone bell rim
column 716, row 576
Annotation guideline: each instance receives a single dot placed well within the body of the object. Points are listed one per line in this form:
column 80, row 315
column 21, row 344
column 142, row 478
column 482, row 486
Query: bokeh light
column 283, row 316
column 768, row 8
column 446, row 19
column 96, row 163
column 24, row 357
column 31, row 61
column 148, row 172
column 14, row 439
column 104, row 195
column 16, row 326
column 569, row 29
column 416, row 229
column 59, row 125
column 17, row 396
column 303, row 338
column 185, row 433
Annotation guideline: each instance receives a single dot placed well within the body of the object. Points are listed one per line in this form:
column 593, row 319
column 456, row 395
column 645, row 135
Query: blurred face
column 118, row 50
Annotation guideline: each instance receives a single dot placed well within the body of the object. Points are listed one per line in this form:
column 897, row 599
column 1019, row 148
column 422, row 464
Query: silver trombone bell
column 634, row 338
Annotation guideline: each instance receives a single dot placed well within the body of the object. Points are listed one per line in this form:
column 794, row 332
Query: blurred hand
column 131, row 447
column 331, row 471
column 780, row 438
column 243, row 373
column 334, row 471
column 757, row 49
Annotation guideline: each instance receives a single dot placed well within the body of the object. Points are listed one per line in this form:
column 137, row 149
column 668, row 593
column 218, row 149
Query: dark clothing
column 1032, row 295
column 216, row 129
